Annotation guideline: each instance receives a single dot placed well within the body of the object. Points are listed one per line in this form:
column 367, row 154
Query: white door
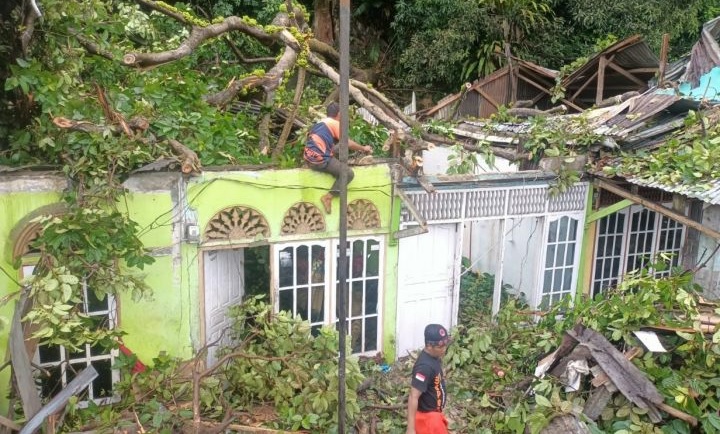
column 224, row 287
column 427, row 287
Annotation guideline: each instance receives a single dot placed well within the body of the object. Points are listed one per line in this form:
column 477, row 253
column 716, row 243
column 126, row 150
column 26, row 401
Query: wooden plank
column 627, row 377
column 603, row 378
column 596, row 402
column 21, row 362
column 9, row 424
column 488, row 98
column 599, row 90
column 78, row 383
column 532, row 83
column 627, row 75
column 609, row 186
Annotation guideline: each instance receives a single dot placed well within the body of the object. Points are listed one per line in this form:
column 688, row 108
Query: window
column 631, row 239
column 305, row 287
column 363, row 283
column 59, row 365
column 559, row 272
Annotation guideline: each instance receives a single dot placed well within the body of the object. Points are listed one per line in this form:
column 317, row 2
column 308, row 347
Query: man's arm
column 355, row 146
column 412, row 409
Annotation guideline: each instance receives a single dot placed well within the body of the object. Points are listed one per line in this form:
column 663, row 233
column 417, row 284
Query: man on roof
column 319, row 152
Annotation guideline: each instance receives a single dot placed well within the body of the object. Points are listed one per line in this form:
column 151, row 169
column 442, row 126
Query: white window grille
column 560, row 257
column 631, row 239
column 59, row 365
column 305, row 288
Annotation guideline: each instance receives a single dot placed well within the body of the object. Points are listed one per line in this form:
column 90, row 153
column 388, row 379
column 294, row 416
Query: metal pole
column 343, row 257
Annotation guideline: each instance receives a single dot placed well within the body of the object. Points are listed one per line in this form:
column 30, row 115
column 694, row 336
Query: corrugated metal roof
column 707, row 192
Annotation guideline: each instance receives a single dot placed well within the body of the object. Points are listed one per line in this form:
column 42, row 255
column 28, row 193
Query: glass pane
column 598, row 269
column 557, row 280
column 550, row 255
column 286, row 260
column 318, row 264
column 302, row 303
column 572, row 230
column 567, row 278
column 563, row 230
column 356, row 335
column 95, row 303
column 358, row 258
column 302, row 263
column 570, row 255
column 315, row 330
column 372, row 263
column 547, row 283
column 81, row 353
column 51, row 381
column 371, row 334
column 317, row 312
column 560, row 255
column 99, row 350
column 545, row 302
column 102, row 384
column 552, row 232
column 49, row 353
column 357, row 298
column 601, row 247
column 617, row 247
column 286, row 300
column 371, row 297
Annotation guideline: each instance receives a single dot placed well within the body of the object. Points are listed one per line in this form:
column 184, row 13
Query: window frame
column 330, row 284
column 540, row 292
column 65, row 359
column 657, row 236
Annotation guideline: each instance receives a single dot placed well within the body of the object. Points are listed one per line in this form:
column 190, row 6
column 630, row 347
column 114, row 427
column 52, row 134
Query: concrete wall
column 164, row 205
column 709, row 276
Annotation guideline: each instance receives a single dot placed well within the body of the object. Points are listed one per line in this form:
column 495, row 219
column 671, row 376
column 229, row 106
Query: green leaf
column 542, row 401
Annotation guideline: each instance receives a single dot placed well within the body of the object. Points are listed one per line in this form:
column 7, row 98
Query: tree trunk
column 323, row 27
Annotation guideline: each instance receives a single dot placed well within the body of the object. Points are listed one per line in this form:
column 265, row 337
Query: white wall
column 435, row 162
column 709, row 276
column 523, row 249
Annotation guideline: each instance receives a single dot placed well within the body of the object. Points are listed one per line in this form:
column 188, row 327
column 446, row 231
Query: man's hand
column 367, row 149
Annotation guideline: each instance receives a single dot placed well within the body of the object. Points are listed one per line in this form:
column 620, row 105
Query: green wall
column 14, row 207
column 168, row 319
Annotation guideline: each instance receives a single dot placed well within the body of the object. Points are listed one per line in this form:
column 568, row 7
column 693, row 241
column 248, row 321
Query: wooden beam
column 78, row 383
column 532, row 83
column 488, row 98
column 613, row 188
column 626, row 74
column 599, row 90
column 21, row 362
column 597, row 215
column 584, row 85
column 9, row 423
column 664, row 48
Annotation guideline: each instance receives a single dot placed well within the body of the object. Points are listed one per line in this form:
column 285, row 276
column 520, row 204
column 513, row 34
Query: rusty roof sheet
column 705, row 55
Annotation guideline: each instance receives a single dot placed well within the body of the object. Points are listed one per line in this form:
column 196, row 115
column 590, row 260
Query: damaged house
column 228, row 234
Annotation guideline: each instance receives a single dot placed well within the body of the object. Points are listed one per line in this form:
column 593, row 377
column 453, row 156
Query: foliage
column 273, row 359
column 289, row 367
column 688, row 157
column 490, row 364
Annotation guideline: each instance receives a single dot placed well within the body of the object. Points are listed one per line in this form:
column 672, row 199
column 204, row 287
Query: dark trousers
column 335, row 167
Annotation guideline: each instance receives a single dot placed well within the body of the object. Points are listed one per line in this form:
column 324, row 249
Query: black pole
column 342, row 249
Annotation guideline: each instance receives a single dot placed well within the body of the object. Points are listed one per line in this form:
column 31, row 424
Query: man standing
column 319, row 155
column 427, row 391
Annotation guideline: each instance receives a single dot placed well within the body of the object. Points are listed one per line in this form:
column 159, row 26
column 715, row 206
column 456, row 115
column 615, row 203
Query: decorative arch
column 362, row 214
column 303, row 218
column 28, row 229
column 235, row 223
